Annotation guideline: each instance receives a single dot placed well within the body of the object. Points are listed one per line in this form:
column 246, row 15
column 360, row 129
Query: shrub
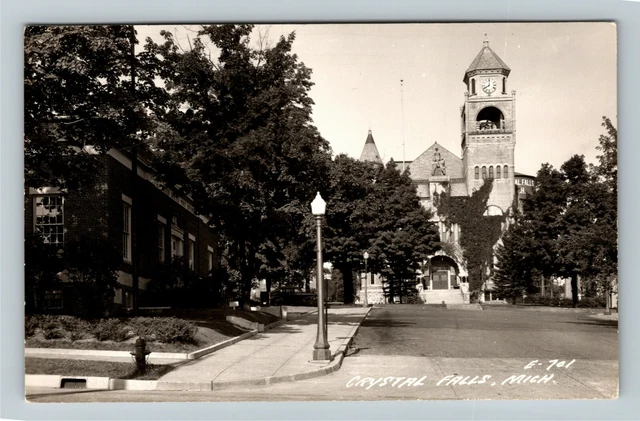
column 49, row 325
column 110, row 330
column 31, row 325
column 311, row 301
column 73, row 324
column 176, row 330
column 413, row 299
column 474, row 297
column 55, row 333
column 164, row 329
column 593, row 302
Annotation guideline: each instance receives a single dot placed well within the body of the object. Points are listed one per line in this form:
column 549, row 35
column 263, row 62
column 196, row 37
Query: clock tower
column 488, row 129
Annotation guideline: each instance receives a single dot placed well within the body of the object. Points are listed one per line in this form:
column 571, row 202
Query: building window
column 473, row 86
column 177, row 246
column 49, row 219
column 484, row 172
column 126, row 231
column 161, row 253
column 504, row 85
column 506, row 171
column 53, row 300
column 477, row 173
column 497, row 171
column 177, row 237
column 192, row 254
column 491, row 171
column 210, row 257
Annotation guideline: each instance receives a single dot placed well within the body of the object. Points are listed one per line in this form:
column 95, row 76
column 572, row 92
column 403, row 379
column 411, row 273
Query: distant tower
column 489, row 128
column 370, row 151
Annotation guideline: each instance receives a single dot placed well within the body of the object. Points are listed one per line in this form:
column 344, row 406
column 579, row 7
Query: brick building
column 488, row 139
column 166, row 226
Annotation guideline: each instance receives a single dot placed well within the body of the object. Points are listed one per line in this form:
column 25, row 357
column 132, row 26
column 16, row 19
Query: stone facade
column 488, row 139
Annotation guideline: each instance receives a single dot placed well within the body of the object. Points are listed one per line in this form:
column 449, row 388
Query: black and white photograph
column 321, row 212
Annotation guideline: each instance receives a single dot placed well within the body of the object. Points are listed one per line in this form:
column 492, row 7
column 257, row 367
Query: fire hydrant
column 140, row 354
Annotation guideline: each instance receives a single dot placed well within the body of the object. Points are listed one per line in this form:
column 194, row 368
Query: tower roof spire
column 486, row 59
column 370, row 150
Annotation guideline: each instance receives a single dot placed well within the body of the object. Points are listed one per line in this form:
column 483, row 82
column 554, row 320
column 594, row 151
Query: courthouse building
column 488, row 140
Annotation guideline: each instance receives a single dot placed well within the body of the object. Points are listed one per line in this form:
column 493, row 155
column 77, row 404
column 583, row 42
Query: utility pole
column 402, row 112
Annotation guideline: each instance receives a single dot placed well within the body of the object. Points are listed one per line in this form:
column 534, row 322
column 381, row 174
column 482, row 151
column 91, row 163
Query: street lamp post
column 321, row 351
column 366, row 281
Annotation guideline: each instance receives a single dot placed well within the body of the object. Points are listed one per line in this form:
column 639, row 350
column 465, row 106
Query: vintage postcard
column 321, row 212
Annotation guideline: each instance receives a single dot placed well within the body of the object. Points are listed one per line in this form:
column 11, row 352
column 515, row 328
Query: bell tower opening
column 490, row 118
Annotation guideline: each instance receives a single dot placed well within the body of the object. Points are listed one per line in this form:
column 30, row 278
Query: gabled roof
column 370, row 151
column 422, row 167
column 487, row 59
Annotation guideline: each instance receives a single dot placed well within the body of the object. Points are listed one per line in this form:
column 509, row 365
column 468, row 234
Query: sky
column 564, row 75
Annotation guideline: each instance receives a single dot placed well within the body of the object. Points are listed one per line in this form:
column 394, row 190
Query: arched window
column 504, row 85
column 491, row 171
column 506, row 171
column 497, row 171
column 484, row 172
column 477, row 173
column 473, row 86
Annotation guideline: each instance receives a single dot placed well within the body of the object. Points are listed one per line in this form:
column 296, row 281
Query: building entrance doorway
column 440, row 280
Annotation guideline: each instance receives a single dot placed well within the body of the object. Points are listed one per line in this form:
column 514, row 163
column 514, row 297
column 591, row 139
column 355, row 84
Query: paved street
column 416, row 352
column 423, row 331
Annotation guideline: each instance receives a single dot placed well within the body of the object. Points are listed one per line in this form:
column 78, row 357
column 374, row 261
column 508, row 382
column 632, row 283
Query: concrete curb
column 36, row 352
column 55, row 381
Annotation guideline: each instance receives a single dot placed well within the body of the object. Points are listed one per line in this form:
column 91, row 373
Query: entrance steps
column 437, row 296
column 475, row 306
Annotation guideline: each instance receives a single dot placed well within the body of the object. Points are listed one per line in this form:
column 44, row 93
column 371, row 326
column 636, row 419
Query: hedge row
column 585, row 302
column 162, row 329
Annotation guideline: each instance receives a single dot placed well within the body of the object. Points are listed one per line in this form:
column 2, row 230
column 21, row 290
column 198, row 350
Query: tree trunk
column 551, row 286
column 574, row 289
column 245, row 276
column 268, row 294
column 542, row 286
column 347, row 280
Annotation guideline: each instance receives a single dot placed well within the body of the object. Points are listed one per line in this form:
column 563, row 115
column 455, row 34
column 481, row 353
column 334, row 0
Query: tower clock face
column 489, row 85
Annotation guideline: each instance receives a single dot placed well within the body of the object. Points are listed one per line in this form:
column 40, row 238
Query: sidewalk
column 283, row 351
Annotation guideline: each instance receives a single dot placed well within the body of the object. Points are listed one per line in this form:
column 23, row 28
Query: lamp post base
column 322, row 354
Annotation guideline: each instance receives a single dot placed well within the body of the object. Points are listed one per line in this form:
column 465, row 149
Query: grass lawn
column 215, row 318
column 87, row 368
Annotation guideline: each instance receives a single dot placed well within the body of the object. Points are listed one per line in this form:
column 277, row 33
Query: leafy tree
column 245, row 146
column 351, row 217
column 78, row 93
column 515, row 271
column 376, row 209
column 569, row 223
column 404, row 235
column 541, row 223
